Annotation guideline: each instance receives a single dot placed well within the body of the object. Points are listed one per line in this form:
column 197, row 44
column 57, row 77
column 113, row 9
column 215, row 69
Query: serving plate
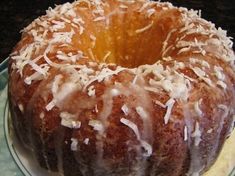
column 23, row 158
column 15, row 160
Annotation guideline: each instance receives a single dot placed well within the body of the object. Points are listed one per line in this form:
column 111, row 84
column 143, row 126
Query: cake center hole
column 130, row 44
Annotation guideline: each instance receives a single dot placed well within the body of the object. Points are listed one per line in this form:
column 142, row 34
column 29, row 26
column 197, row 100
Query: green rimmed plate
column 7, row 164
column 23, row 158
column 14, row 160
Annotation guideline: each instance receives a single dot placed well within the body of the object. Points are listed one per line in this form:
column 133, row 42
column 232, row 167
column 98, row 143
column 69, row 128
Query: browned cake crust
column 122, row 88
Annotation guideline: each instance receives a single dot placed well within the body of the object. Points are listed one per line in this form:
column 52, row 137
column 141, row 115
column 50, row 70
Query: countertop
column 16, row 14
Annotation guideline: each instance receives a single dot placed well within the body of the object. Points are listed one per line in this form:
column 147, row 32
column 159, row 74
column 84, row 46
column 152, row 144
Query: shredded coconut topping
column 144, row 144
column 21, row 107
column 209, row 131
column 144, row 6
column 144, row 28
column 185, row 133
column 99, row 18
column 91, row 91
column 125, row 109
column 86, row 141
column 68, row 120
column 160, row 104
column 169, row 104
column 131, row 125
column 202, row 75
column 97, row 125
column 150, row 12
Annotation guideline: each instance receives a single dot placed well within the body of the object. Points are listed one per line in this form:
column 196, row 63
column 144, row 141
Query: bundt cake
column 122, row 88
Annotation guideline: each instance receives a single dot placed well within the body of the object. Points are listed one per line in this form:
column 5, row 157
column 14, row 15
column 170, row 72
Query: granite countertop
column 16, row 14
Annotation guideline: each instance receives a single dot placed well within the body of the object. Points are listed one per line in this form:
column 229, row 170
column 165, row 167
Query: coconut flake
column 93, row 38
column 50, row 105
column 101, row 18
column 169, row 104
column 68, row 120
column 34, row 77
column 164, row 49
column 39, row 69
column 91, row 91
column 199, row 72
column 152, row 89
column 132, row 126
column 57, row 25
column 60, row 94
column 71, row 13
column 62, row 37
column 105, row 73
column 122, row 6
column 74, row 144
column 147, row 147
column 160, row 104
column 90, row 52
column 127, row 1
column 65, row 19
column 47, row 59
column 202, row 75
column 86, row 141
column 98, row 11
column 209, row 131
column 144, row 28
column 150, row 12
column 23, row 58
column 144, row 6
column 78, row 20
column 219, row 73
column 199, row 61
column 167, row 59
column 41, row 115
column 125, row 109
column 222, row 84
column 185, row 133
column 97, row 125
column 21, row 107
column 185, row 49
column 96, row 108
column 106, row 56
